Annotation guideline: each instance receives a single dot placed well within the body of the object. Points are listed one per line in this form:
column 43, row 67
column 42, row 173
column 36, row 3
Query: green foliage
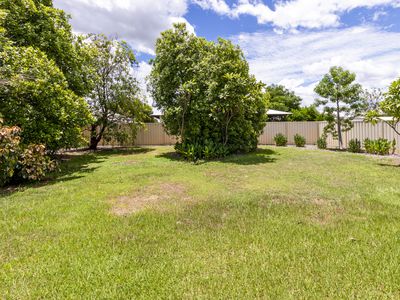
column 299, row 140
column 379, row 147
column 354, row 146
column 206, row 92
column 19, row 162
column 321, row 142
column 283, row 99
column 390, row 107
column 116, row 97
column 45, row 28
column 9, row 151
column 35, row 96
column 196, row 151
column 280, row 140
column 341, row 101
column 394, row 144
column 307, row 113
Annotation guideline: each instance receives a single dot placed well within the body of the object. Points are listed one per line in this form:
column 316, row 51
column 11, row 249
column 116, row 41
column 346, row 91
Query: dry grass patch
column 157, row 196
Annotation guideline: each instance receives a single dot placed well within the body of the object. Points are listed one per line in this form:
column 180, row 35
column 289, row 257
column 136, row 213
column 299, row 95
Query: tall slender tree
column 116, row 96
column 341, row 100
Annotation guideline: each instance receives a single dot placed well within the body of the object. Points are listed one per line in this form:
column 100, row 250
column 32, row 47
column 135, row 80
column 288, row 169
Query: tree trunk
column 339, row 125
column 94, row 141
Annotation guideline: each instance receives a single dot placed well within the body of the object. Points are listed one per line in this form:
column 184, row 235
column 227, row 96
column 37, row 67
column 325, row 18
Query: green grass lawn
column 139, row 223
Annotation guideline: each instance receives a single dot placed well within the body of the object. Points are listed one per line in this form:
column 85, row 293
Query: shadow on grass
column 389, row 165
column 260, row 156
column 75, row 165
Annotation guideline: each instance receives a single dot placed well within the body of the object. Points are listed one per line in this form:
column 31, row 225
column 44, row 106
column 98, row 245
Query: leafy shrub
column 354, row 146
column 299, row 140
column 33, row 163
column 9, row 151
column 394, row 146
column 321, row 142
column 379, row 147
column 280, row 140
column 19, row 162
column 208, row 150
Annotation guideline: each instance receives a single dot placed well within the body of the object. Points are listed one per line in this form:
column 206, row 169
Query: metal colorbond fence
column 361, row 131
column 310, row 130
column 154, row 133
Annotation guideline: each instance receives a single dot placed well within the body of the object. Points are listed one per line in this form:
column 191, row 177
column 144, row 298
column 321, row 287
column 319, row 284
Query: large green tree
column 38, row 24
column 283, row 99
column 34, row 95
column 206, row 92
column 115, row 98
column 388, row 107
column 341, row 100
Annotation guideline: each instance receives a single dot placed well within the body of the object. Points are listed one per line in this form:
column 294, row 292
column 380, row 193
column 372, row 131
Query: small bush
column 19, row 162
column 354, row 146
column 280, row 140
column 393, row 146
column 196, row 151
column 9, row 152
column 321, row 142
column 379, row 147
column 299, row 140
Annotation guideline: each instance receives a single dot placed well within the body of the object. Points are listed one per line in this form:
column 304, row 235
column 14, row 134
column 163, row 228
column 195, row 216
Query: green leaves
column 206, row 92
column 389, row 107
column 283, row 99
column 341, row 100
column 38, row 24
column 36, row 97
column 115, row 97
column 21, row 162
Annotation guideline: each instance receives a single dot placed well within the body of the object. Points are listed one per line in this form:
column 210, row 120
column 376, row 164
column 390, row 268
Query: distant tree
column 390, row 107
column 306, row 113
column 206, row 92
column 116, row 96
column 283, row 99
column 372, row 98
column 341, row 100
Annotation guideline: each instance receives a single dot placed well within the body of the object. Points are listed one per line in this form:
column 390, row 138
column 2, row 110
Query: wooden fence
column 154, row 133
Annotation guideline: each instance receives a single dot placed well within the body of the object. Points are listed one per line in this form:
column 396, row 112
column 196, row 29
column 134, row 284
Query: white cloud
column 137, row 21
column 295, row 13
column 141, row 73
column 300, row 60
column 378, row 14
column 219, row 6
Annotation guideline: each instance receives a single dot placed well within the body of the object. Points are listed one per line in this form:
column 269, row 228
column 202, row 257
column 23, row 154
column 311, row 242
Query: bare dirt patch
column 326, row 212
column 157, row 197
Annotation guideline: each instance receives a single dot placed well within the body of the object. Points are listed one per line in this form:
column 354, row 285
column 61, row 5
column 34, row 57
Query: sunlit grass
column 140, row 223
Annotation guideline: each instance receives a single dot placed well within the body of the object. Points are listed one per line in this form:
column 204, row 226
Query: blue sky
column 291, row 42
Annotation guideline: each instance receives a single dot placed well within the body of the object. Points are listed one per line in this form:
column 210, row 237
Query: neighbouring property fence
column 154, row 133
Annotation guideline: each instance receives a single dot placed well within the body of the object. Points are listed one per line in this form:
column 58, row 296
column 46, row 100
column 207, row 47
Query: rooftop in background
column 270, row 112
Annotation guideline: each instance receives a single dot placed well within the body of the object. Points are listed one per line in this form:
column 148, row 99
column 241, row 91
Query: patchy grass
column 140, row 223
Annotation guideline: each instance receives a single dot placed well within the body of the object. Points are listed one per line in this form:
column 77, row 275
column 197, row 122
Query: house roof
column 270, row 112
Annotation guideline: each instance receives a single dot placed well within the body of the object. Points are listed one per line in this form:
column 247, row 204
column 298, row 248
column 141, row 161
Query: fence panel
column 270, row 130
column 362, row 131
column 154, row 133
